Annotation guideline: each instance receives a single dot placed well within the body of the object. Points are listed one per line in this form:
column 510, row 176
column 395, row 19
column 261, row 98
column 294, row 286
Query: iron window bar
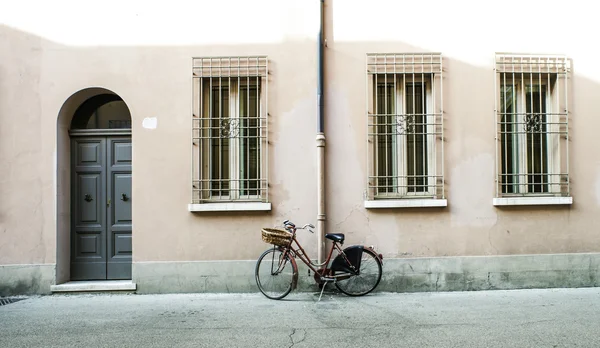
column 532, row 125
column 229, row 129
column 405, row 125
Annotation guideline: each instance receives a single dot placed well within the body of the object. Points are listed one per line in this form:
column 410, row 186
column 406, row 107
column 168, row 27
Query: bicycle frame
column 346, row 264
column 325, row 270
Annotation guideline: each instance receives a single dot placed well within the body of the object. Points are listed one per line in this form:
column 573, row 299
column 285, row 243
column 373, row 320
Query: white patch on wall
column 150, row 123
column 471, row 198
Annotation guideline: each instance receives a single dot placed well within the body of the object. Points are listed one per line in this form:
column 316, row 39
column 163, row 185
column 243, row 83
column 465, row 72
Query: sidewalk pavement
column 517, row 318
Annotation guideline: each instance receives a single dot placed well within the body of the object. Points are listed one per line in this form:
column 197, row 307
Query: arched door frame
column 70, row 107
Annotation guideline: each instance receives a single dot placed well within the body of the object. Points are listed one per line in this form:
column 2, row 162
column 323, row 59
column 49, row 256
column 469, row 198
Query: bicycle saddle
column 338, row 237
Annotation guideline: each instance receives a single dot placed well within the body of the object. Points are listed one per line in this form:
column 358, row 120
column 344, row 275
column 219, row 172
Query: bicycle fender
column 378, row 255
column 354, row 255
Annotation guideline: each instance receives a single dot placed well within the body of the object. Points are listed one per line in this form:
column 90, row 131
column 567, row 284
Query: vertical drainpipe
column 320, row 143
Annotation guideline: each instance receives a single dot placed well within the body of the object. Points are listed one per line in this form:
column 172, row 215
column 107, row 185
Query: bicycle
column 348, row 268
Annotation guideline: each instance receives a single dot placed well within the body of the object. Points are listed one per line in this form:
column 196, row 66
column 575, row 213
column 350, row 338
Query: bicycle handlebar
column 289, row 224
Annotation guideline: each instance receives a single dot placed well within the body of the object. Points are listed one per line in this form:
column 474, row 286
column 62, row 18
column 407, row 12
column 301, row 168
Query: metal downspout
column 320, row 143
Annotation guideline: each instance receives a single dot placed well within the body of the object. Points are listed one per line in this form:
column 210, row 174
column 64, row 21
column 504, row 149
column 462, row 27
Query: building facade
column 150, row 146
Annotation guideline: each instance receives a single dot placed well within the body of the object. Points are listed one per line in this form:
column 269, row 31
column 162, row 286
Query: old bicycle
column 355, row 271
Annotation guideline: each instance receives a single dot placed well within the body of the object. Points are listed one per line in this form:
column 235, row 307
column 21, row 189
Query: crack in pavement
column 292, row 338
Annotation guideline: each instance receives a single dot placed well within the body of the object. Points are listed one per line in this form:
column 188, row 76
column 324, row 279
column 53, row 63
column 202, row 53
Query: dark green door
column 101, row 208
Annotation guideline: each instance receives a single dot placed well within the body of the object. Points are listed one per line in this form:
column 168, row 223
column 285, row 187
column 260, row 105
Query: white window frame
column 400, row 155
column 398, row 71
column 519, row 70
column 400, row 148
column 520, row 159
column 235, row 143
column 246, row 137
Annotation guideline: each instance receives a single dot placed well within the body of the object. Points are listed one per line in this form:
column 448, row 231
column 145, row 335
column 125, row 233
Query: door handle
column 124, row 197
column 88, row 197
column 108, row 203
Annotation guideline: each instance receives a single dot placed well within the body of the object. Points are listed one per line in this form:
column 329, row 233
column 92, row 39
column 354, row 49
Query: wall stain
column 20, row 287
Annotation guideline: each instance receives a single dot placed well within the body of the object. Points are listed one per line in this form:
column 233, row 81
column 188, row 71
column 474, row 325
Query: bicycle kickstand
column 322, row 289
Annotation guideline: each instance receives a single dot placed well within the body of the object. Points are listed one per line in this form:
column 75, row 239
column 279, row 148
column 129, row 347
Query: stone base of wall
column 491, row 273
column 26, row 279
column 399, row 275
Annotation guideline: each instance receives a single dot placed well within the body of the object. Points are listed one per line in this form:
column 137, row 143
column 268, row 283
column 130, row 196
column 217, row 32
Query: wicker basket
column 276, row 236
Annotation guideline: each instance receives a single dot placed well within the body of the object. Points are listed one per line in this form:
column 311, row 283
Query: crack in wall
column 490, row 237
column 337, row 225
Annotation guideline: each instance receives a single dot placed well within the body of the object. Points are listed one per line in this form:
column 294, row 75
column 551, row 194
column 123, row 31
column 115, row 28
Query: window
column 103, row 111
column 229, row 129
column 405, row 126
column 532, row 125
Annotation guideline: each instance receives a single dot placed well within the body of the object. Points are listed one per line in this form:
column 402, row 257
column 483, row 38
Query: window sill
column 533, row 201
column 406, row 203
column 230, row 206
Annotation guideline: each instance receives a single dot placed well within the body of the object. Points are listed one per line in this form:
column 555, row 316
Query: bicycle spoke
column 274, row 274
column 367, row 279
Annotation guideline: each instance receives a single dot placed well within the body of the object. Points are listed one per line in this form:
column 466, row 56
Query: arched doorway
column 100, row 189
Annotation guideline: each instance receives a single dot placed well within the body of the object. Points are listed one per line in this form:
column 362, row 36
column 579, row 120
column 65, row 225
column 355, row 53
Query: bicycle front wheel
column 274, row 274
column 367, row 279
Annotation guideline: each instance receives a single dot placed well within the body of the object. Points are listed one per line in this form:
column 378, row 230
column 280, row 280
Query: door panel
column 88, row 245
column 88, row 216
column 89, row 188
column 122, row 203
column 119, row 213
column 122, row 243
column 89, row 154
column 101, row 228
column 122, row 152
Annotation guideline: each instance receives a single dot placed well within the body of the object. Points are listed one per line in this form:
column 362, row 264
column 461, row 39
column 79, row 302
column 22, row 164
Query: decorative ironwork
column 532, row 149
column 229, row 128
column 533, row 123
column 405, row 124
column 119, row 124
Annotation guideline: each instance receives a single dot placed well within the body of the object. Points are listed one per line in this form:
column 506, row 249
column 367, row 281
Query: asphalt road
column 521, row 318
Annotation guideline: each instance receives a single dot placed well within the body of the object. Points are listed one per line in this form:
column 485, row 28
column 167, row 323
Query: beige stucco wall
column 145, row 57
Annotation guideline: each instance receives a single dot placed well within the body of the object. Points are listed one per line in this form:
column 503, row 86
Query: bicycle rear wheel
column 367, row 279
column 274, row 274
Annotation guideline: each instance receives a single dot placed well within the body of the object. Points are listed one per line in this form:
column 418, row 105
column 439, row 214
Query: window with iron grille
column 405, row 126
column 532, row 125
column 229, row 129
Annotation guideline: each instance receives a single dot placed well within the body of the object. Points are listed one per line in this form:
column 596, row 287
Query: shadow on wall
column 470, row 225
